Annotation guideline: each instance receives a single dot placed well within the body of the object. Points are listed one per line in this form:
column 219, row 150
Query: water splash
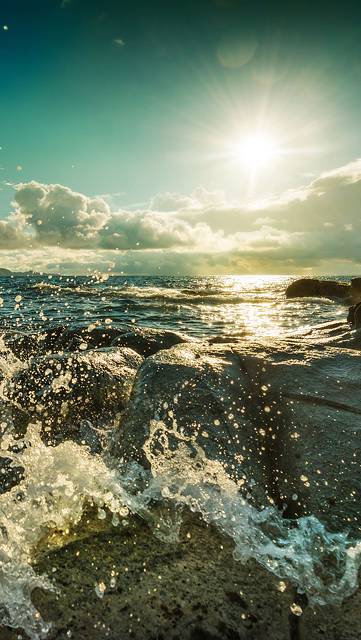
column 61, row 482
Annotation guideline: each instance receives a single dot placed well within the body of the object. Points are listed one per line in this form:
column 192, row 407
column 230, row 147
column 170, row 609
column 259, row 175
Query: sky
column 180, row 136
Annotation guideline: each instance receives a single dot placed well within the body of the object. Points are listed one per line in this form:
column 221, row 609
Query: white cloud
column 316, row 226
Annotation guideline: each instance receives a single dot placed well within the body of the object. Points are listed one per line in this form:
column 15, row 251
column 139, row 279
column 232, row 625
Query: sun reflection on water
column 257, row 308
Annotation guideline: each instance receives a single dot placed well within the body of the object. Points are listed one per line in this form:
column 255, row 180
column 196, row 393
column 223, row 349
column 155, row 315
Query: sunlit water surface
column 200, row 306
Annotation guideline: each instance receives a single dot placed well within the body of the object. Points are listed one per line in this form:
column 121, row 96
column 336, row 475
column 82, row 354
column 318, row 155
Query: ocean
column 200, row 306
column 216, row 420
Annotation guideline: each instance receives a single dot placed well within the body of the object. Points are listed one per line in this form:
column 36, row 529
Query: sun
column 256, row 150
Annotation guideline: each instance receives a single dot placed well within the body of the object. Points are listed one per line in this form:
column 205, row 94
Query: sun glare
column 256, row 150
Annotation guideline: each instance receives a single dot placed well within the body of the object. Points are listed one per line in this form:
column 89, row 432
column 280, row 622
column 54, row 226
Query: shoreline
column 144, row 375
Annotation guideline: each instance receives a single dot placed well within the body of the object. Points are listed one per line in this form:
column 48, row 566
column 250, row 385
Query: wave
column 60, row 483
column 157, row 294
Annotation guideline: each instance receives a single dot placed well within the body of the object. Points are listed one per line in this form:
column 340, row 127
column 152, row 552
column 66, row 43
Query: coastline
column 186, row 409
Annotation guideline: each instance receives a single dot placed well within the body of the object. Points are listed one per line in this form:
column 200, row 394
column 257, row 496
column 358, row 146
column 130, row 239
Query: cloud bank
column 316, row 227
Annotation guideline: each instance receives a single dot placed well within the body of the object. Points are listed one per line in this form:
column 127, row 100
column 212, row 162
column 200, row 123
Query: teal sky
column 136, row 98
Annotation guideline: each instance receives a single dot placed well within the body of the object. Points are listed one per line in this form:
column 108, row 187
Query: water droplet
column 100, row 589
column 296, row 609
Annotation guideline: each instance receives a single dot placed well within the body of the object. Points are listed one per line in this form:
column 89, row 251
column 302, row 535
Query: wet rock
column 337, row 332
column 22, row 345
column 317, row 389
column 160, row 589
column 59, row 340
column 145, row 341
column 354, row 316
column 157, row 589
column 148, row 341
column 283, row 419
column 10, row 475
column 72, row 395
column 312, row 287
column 196, row 398
column 356, row 289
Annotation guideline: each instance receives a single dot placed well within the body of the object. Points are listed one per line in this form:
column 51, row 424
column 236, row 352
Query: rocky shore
column 313, row 287
column 283, row 419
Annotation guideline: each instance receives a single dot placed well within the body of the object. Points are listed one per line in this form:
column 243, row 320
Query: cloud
column 54, row 215
column 316, row 226
column 152, row 230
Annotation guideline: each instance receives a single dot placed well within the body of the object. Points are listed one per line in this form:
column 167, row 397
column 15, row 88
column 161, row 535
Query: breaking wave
column 60, row 483
column 158, row 294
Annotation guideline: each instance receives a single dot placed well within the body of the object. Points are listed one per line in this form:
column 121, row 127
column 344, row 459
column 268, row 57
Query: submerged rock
column 312, row 287
column 73, row 394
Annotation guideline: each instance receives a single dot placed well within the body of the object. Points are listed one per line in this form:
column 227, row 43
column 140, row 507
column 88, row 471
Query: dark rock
column 314, row 393
column 201, row 398
column 73, row 394
column 356, row 289
column 10, row 475
column 283, row 419
column 311, row 287
column 156, row 587
column 354, row 316
column 156, row 584
column 148, row 341
column 143, row 340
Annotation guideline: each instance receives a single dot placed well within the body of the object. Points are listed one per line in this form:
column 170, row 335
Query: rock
column 145, row 341
column 71, row 395
column 354, row 316
column 356, row 289
column 201, row 397
column 192, row 589
column 282, row 418
column 59, row 340
column 24, row 345
column 159, row 589
column 317, row 389
column 10, row 475
column 148, row 341
column 311, row 287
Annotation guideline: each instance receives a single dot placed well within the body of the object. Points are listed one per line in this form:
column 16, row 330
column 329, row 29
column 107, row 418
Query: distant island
column 7, row 273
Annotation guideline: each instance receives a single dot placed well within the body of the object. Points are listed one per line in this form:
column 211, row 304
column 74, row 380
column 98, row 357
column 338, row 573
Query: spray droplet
column 100, row 589
column 296, row 609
